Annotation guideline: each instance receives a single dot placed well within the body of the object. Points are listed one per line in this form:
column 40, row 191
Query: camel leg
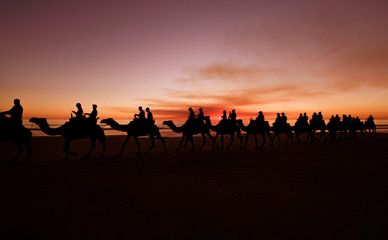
column 66, row 149
column 93, row 145
column 137, row 144
column 270, row 138
column 203, row 141
column 102, row 141
column 255, row 137
column 27, row 145
column 264, row 140
column 125, row 143
column 19, row 151
column 240, row 137
column 158, row 136
column 231, row 140
column 180, row 143
column 211, row 138
column 215, row 140
column 186, row 141
column 308, row 137
column 277, row 135
column 222, row 141
column 191, row 139
column 152, row 144
column 246, row 140
column 297, row 138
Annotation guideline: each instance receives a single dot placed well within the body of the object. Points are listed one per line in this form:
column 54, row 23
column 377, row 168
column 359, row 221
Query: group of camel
column 85, row 129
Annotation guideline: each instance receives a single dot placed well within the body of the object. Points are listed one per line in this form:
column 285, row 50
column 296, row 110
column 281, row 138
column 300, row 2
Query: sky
column 271, row 56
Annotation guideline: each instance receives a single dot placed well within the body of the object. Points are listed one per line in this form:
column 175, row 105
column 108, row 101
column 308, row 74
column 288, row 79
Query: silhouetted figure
column 232, row 115
column 223, row 117
column 149, row 114
column 200, row 115
column 93, row 114
column 337, row 119
column 260, row 118
column 15, row 113
column 278, row 118
column 320, row 117
column 305, row 119
column 370, row 125
column 141, row 114
column 283, row 118
column 12, row 129
column 191, row 114
column 80, row 113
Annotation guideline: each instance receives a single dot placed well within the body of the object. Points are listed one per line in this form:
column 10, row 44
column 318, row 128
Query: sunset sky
column 274, row 56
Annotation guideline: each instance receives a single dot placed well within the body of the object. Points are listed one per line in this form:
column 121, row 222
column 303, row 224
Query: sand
column 300, row 191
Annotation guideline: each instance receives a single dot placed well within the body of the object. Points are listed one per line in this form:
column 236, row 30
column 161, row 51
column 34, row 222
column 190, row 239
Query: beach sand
column 300, row 191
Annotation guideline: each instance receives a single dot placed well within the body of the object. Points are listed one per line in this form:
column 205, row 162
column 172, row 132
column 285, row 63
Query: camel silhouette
column 318, row 125
column 191, row 127
column 136, row 130
column 18, row 134
column 254, row 128
column 370, row 126
column 303, row 128
column 71, row 131
column 279, row 129
column 224, row 127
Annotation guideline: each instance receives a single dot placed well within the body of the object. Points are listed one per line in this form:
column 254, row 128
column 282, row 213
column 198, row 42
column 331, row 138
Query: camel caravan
column 84, row 125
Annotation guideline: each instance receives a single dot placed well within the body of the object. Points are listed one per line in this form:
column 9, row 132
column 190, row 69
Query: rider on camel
column 15, row 113
column 93, row 114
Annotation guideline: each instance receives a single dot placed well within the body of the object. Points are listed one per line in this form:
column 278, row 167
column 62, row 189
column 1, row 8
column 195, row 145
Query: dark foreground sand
column 306, row 191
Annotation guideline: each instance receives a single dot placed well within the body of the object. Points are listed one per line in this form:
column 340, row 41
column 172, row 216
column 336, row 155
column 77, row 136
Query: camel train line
column 80, row 127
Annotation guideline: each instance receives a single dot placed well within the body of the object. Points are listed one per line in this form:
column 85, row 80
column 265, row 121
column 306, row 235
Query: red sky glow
column 273, row 56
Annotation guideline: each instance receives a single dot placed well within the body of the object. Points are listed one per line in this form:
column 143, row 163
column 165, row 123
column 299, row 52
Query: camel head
column 168, row 123
column 107, row 121
column 38, row 121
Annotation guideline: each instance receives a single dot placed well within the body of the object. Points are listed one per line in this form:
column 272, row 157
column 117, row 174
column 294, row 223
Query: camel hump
column 81, row 123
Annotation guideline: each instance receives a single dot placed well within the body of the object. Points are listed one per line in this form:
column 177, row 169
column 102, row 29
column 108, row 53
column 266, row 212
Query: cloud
column 225, row 72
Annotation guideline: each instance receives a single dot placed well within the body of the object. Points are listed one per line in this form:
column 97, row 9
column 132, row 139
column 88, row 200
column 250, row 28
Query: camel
column 255, row 128
column 279, row 129
column 303, row 128
column 74, row 130
column 318, row 125
column 224, row 127
column 137, row 129
column 190, row 128
column 20, row 135
column 371, row 127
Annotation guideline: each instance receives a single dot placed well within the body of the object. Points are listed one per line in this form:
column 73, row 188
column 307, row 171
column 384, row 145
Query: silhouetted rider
column 200, row 115
column 223, row 117
column 80, row 113
column 149, row 114
column 260, row 117
column 141, row 114
column 191, row 114
column 233, row 115
column 15, row 112
column 93, row 114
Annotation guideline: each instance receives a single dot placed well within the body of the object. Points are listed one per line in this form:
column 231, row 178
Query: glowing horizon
column 270, row 56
